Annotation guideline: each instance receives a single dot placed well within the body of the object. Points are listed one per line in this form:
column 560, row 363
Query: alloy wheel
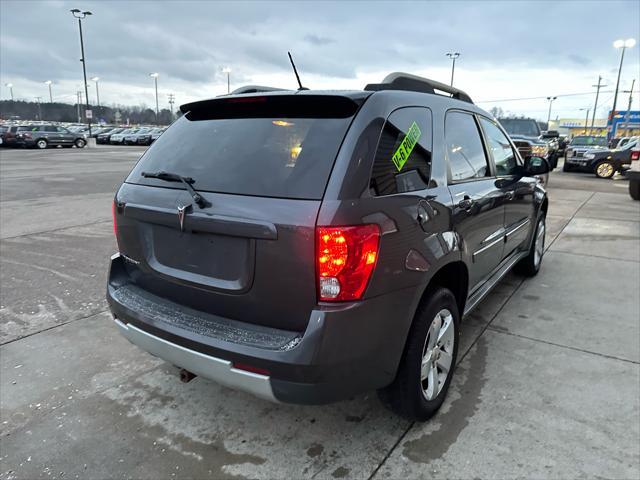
column 437, row 354
column 604, row 170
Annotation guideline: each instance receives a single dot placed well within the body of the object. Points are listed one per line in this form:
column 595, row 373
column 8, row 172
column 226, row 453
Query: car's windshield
column 520, row 126
column 589, row 140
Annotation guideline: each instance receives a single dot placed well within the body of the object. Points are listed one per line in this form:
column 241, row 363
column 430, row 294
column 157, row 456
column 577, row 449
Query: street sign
column 88, row 114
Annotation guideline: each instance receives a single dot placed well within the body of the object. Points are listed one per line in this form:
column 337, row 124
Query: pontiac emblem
column 181, row 215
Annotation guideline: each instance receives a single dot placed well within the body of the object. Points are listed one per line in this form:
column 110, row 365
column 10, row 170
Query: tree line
column 70, row 113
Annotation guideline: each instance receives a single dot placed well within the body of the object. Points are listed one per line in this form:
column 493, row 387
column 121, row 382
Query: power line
column 540, row 98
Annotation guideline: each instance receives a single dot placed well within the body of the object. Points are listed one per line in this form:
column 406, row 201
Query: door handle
column 466, row 203
column 510, row 195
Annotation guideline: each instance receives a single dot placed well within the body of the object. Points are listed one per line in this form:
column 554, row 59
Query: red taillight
column 115, row 221
column 345, row 259
column 635, row 154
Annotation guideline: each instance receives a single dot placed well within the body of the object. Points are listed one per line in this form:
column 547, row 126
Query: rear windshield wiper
column 174, row 177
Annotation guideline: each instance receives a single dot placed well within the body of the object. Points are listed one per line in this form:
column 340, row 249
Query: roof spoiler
column 414, row 83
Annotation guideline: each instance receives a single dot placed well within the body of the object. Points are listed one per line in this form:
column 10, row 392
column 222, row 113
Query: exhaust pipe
column 186, row 376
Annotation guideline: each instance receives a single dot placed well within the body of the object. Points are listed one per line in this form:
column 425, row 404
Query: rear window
column 276, row 156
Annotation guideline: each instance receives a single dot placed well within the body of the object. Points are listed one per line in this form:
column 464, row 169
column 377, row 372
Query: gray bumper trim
column 216, row 369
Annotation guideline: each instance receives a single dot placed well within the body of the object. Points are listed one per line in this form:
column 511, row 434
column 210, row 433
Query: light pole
column 453, row 56
column 10, row 87
column 227, row 70
column 49, row 82
column 80, row 15
column 623, row 44
column 95, row 79
column 155, row 79
column 551, row 99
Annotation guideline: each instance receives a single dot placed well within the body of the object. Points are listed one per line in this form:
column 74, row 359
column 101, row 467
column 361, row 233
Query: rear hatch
column 261, row 163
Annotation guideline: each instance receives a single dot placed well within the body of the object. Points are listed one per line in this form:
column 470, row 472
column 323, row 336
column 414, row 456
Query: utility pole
column 595, row 105
column 172, row 99
column 39, row 109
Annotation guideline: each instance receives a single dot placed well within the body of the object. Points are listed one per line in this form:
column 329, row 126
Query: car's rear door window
column 275, row 156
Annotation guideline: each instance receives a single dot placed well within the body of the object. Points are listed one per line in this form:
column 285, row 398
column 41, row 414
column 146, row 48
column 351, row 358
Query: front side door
column 516, row 190
column 478, row 210
column 66, row 137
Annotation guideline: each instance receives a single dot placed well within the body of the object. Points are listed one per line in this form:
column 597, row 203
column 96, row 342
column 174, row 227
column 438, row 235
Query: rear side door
column 50, row 132
column 516, row 190
column 478, row 210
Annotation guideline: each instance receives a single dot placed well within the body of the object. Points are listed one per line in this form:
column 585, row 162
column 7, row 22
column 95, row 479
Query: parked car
column 558, row 141
column 527, row 132
column 44, row 136
column 147, row 138
column 633, row 174
column 118, row 138
column 604, row 163
column 9, row 136
column 132, row 138
column 329, row 252
column 105, row 137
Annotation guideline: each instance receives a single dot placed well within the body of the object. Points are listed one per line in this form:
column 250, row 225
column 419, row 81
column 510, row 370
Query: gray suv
column 44, row 136
column 306, row 246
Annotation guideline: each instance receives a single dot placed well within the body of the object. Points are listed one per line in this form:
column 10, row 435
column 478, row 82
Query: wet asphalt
column 547, row 384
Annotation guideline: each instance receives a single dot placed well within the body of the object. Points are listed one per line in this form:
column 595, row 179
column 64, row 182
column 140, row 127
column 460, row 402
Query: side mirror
column 536, row 166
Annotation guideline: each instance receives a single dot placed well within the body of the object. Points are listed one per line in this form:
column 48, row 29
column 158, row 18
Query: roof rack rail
column 414, row 83
column 254, row 89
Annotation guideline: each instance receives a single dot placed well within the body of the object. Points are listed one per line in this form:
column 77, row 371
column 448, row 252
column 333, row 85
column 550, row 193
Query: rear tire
column 80, row 143
column 605, row 169
column 42, row 144
column 634, row 189
column 529, row 266
column 428, row 361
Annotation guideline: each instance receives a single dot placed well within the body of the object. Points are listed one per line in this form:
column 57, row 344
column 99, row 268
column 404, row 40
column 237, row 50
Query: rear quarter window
column 403, row 157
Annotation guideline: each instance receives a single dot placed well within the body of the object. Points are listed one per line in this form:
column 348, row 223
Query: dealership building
column 621, row 125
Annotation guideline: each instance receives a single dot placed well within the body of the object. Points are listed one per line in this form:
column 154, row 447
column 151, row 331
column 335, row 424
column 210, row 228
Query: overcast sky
column 509, row 49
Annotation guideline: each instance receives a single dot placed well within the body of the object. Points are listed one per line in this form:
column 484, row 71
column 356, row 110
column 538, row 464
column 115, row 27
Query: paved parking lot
column 547, row 386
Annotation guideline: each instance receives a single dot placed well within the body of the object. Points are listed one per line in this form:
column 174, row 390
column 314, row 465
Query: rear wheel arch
column 453, row 276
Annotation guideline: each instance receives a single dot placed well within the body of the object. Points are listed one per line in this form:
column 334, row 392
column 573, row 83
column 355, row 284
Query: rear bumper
column 345, row 349
column 204, row 365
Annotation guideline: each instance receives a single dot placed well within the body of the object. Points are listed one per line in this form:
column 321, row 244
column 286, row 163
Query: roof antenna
column 295, row 70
